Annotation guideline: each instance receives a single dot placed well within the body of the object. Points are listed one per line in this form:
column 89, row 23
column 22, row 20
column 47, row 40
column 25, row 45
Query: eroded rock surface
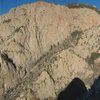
column 44, row 46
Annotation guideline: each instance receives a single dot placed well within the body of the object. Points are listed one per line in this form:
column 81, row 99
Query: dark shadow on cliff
column 94, row 92
column 76, row 90
column 73, row 91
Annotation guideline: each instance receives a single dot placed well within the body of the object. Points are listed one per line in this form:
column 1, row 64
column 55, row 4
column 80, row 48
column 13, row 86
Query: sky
column 6, row 5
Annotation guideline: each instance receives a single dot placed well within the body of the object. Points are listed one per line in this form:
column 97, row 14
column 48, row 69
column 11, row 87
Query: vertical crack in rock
column 8, row 60
column 52, row 80
column 38, row 35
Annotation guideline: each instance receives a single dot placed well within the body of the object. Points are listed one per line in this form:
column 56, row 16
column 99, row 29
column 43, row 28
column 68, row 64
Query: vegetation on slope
column 92, row 58
column 83, row 6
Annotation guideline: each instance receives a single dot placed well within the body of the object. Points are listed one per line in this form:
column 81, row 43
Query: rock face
column 44, row 46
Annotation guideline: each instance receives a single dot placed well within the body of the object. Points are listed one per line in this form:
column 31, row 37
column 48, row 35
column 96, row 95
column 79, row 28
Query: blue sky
column 6, row 5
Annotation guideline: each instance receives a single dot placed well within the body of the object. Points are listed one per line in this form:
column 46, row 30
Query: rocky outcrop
column 44, row 46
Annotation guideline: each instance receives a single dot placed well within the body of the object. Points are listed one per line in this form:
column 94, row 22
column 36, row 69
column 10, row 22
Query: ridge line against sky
column 6, row 5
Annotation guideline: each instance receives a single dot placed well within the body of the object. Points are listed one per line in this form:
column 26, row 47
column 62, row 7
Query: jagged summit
column 44, row 46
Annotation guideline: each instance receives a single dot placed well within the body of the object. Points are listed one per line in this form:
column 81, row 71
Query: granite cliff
column 44, row 46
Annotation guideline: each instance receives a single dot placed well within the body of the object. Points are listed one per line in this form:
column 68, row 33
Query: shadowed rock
column 74, row 90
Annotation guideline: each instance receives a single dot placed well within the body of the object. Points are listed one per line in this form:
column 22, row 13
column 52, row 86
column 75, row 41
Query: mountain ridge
column 44, row 46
